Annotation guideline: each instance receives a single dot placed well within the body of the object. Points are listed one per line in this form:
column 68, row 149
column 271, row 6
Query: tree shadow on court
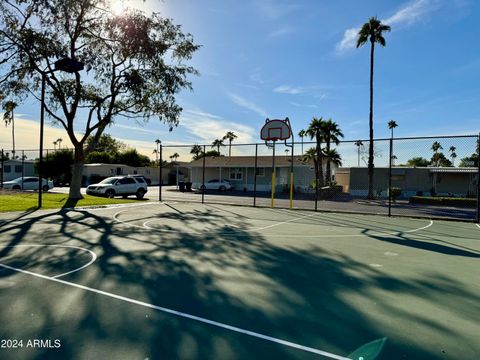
column 299, row 292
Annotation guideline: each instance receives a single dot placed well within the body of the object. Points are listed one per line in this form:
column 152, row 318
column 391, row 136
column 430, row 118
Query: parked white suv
column 119, row 186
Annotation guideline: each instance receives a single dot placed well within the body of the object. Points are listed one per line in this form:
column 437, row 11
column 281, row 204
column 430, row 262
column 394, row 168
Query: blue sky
column 297, row 58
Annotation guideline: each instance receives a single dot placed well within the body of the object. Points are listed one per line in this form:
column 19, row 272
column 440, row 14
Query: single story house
column 13, row 169
column 240, row 171
column 456, row 181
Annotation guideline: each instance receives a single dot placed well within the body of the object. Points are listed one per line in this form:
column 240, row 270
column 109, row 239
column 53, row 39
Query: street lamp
column 67, row 65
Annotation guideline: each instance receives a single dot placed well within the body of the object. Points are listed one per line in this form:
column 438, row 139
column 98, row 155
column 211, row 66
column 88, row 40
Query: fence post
column 390, row 179
column 160, row 175
column 23, row 166
column 203, row 175
column 255, row 177
column 1, row 175
column 478, row 179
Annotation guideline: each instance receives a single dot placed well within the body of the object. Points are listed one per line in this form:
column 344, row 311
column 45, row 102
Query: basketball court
column 192, row 281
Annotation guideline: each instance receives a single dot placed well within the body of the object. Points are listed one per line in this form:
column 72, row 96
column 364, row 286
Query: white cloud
column 409, row 14
column 27, row 135
column 349, row 39
column 208, row 127
column 240, row 101
column 286, row 89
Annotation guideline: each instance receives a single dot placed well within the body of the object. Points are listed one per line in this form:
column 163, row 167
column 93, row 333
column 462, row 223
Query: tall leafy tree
column 9, row 119
column 134, row 65
column 230, row 136
column 331, row 134
column 371, row 31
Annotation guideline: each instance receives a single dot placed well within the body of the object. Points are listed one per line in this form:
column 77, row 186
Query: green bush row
column 442, row 201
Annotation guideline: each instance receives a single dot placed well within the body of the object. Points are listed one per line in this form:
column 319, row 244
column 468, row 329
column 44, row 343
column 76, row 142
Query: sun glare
column 118, row 7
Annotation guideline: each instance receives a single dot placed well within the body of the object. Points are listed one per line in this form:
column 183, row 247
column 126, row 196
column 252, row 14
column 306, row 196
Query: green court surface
column 192, row 281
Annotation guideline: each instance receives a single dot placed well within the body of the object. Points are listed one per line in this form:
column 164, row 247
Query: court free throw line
column 181, row 314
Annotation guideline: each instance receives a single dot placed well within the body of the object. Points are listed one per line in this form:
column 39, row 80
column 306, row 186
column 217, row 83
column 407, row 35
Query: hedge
column 438, row 200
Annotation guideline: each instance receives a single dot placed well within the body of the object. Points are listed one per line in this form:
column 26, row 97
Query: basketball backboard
column 275, row 130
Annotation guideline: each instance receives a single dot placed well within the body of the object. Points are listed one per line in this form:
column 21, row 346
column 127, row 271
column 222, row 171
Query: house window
column 261, row 172
column 18, row 168
column 7, row 168
column 236, row 174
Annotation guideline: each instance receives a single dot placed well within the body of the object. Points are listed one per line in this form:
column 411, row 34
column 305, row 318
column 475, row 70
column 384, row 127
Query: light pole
column 67, row 65
column 159, row 155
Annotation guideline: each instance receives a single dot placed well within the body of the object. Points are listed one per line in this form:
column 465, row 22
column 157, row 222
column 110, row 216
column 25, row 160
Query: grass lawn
column 23, row 201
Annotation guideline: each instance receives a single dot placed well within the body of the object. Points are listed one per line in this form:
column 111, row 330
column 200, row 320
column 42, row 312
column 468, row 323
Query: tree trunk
column 230, row 149
column 77, row 171
column 329, row 177
column 13, row 135
column 370, row 146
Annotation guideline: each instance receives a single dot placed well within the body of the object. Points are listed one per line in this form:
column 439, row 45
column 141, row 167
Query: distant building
column 425, row 181
column 240, row 171
column 13, row 169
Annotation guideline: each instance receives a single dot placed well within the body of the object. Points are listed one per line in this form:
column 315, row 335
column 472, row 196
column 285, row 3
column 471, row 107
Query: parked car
column 29, row 183
column 147, row 180
column 119, row 186
column 216, row 184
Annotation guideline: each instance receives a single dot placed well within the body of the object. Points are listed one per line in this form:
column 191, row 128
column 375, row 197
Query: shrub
column 445, row 201
column 395, row 192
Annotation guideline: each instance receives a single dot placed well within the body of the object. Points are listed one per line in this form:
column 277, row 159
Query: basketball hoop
column 275, row 130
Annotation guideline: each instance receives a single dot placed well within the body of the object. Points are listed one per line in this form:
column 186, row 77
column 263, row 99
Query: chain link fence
column 431, row 177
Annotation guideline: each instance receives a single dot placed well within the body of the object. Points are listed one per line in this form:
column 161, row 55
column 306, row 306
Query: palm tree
column 174, row 157
column 59, row 141
column 301, row 133
column 333, row 156
column 435, row 158
column 371, row 31
column 155, row 151
column 216, row 144
column 453, row 154
column 9, row 118
column 54, row 145
column 331, row 133
column 315, row 130
column 196, row 150
column 358, row 144
column 392, row 124
column 309, row 156
column 230, row 136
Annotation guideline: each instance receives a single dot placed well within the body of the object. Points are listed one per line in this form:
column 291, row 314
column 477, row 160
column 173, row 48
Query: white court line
column 425, row 227
column 184, row 315
column 478, row 225
column 229, row 234
column 283, row 222
column 92, row 260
